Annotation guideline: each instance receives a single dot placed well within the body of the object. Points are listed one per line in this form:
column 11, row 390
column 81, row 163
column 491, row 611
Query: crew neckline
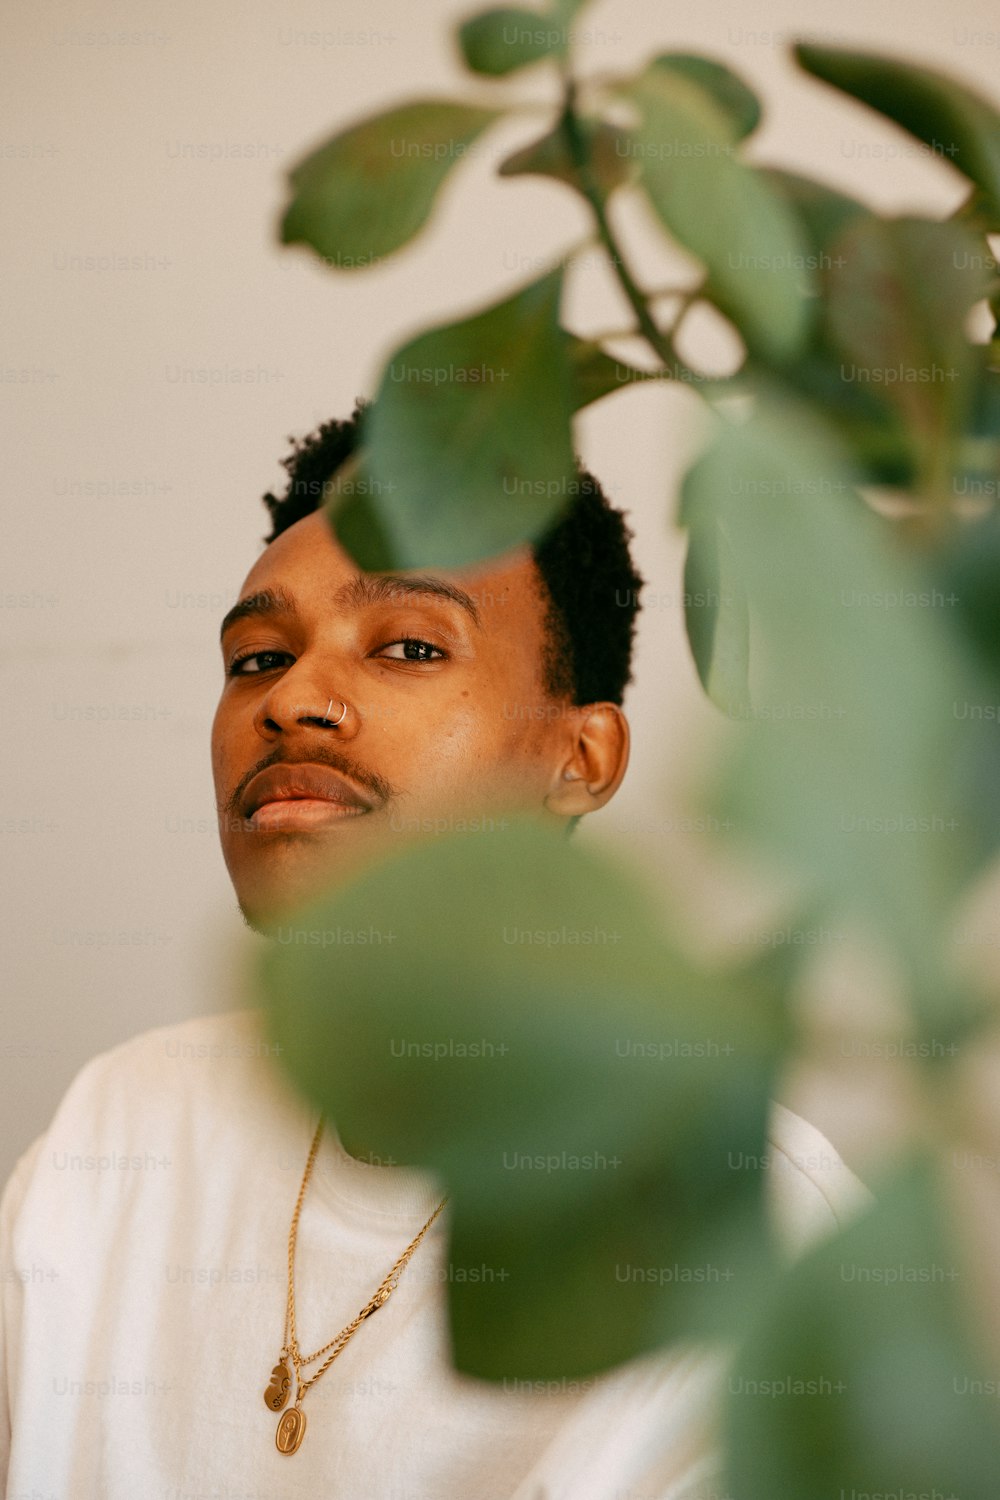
column 373, row 1190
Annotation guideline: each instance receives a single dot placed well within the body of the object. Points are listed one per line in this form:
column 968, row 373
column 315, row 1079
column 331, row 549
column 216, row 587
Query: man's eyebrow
column 361, row 590
column 376, row 588
column 264, row 602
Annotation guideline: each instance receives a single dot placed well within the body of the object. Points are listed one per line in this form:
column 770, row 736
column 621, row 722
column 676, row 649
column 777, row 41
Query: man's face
column 456, row 726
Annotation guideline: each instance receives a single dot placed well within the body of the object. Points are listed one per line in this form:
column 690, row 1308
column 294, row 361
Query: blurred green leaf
column 469, row 439
column 871, row 427
column 724, row 212
column 715, row 615
column 859, row 664
column 899, row 292
column 595, row 1105
column 354, row 506
column 956, row 123
column 966, row 570
column 980, row 212
column 360, row 507
column 823, row 211
column 736, row 101
column 596, row 374
column 500, row 41
column 860, row 1379
column 872, row 430
column 977, row 467
column 550, row 156
column 369, row 189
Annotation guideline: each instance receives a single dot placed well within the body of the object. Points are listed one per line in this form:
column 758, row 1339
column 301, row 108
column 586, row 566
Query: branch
column 659, row 342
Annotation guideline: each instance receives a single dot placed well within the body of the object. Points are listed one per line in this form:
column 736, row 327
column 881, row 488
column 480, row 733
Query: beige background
column 136, row 448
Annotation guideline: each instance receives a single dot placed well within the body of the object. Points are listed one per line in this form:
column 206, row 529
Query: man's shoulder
column 174, row 1059
column 140, row 1116
column 225, row 1030
column 811, row 1189
column 161, row 1061
column 162, row 1082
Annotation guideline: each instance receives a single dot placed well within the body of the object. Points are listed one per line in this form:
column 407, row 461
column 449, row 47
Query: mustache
column 370, row 781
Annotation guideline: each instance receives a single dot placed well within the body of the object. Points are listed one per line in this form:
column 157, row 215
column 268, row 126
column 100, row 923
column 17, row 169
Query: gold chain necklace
column 292, row 1424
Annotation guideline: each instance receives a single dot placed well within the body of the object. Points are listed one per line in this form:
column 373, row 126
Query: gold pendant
column 291, row 1430
column 281, row 1383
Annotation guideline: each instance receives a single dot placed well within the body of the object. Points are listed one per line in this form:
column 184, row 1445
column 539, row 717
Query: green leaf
column 369, row 189
column 870, row 426
column 967, row 565
column 899, row 293
column 550, row 156
column 724, row 212
column 359, row 505
column 980, row 212
column 582, row 1091
column 957, row 124
column 966, row 571
column 823, row 211
column 978, row 469
column 596, row 374
column 858, row 668
column 715, row 615
column 736, row 101
column 881, row 449
column 500, row 41
column 860, row 1378
column 567, row 10
column 351, row 498
column 469, row 439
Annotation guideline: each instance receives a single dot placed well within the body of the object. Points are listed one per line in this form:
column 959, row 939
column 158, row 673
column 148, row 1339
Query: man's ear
column 593, row 759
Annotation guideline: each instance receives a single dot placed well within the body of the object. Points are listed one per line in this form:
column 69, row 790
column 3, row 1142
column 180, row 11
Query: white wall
column 131, row 504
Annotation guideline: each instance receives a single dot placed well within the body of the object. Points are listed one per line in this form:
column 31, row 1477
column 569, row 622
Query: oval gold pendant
column 281, row 1383
column 291, row 1430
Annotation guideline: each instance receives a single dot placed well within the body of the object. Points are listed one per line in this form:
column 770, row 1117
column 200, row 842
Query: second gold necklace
column 292, row 1424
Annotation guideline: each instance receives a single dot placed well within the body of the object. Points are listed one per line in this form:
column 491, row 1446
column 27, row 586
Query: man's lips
column 302, row 813
column 302, row 795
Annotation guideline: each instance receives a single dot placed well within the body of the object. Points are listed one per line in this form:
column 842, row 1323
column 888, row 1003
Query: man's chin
column 277, row 879
column 265, row 911
column 288, row 879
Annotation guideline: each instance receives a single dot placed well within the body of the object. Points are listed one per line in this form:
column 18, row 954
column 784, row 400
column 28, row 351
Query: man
column 151, row 1354
column 439, row 689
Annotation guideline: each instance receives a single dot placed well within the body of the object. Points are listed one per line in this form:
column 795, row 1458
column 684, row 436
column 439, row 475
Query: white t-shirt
column 143, row 1240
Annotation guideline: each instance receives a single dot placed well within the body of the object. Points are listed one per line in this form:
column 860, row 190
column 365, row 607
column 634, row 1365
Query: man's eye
column 412, row 649
column 236, row 668
column 419, row 651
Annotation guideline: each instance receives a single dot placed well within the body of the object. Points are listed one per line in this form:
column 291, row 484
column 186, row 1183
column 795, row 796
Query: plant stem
column 658, row 341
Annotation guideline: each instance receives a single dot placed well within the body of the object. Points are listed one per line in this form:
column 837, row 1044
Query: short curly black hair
column 590, row 584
